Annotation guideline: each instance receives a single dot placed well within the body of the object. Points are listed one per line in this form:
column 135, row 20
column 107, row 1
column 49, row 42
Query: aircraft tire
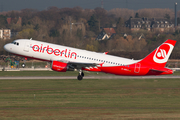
column 23, row 65
column 79, row 77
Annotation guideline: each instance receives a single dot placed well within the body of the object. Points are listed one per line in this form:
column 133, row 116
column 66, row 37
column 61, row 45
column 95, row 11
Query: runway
column 92, row 77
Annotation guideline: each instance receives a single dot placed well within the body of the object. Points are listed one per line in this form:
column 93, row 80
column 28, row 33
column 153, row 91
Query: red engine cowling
column 59, row 66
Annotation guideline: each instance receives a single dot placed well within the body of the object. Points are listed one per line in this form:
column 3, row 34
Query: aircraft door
column 26, row 46
column 137, row 67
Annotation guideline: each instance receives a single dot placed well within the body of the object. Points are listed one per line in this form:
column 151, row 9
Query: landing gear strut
column 23, row 65
column 80, row 75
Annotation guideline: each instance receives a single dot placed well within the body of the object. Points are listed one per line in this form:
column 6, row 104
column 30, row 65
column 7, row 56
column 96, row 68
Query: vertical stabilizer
column 160, row 55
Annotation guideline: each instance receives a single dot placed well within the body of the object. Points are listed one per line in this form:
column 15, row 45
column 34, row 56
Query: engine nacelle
column 59, row 66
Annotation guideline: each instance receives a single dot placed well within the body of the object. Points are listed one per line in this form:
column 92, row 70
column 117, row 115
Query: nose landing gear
column 23, row 65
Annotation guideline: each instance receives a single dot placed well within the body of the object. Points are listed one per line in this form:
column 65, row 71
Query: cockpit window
column 15, row 43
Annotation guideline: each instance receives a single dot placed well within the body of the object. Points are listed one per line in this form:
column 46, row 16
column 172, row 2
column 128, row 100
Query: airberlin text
column 66, row 53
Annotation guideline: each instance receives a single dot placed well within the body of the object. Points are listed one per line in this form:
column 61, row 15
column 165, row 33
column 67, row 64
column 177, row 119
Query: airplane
column 65, row 58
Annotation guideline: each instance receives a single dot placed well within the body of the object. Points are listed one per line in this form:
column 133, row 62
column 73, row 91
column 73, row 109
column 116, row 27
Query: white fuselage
column 49, row 52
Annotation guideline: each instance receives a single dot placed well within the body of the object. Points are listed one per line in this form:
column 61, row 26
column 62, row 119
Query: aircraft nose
column 7, row 47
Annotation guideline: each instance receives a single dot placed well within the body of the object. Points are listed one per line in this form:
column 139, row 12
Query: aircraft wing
column 82, row 65
column 79, row 65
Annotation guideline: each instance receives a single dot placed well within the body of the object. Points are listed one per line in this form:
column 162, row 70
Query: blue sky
column 8, row 5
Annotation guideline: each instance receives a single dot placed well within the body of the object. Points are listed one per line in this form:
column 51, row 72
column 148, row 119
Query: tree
column 101, row 15
column 79, row 33
column 54, row 33
column 26, row 33
column 137, row 15
column 167, row 16
column 93, row 24
column 120, row 25
column 3, row 21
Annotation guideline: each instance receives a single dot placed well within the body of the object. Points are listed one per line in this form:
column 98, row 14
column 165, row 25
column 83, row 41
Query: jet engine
column 59, row 66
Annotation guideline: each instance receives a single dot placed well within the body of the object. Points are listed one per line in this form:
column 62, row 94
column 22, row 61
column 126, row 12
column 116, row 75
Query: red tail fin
column 160, row 56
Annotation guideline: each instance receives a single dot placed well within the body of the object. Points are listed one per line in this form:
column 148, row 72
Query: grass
column 37, row 73
column 90, row 99
column 45, row 73
column 54, row 73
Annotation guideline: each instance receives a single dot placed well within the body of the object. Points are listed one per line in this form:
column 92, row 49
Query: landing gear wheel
column 23, row 65
column 79, row 77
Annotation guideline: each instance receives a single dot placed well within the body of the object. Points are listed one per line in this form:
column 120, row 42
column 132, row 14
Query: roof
column 9, row 20
column 109, row 31
column 106, row 33
column 14, row 20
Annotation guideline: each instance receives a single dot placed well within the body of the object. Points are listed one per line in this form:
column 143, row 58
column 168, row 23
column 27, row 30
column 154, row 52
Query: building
column 106, row 33
column 5, row 34
column 162, row 25
column 17, row 21
column 150, row 24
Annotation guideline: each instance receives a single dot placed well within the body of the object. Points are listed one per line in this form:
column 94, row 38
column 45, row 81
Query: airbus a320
column 65, row 58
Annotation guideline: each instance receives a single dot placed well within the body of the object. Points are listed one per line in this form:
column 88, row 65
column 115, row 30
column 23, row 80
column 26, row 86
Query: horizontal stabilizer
column 160, row 70
column 155, row 70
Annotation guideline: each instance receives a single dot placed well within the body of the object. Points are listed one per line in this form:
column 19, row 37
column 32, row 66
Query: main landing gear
column 80, row 75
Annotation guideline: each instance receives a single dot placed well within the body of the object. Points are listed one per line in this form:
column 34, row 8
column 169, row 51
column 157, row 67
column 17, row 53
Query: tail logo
column 162, row 53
